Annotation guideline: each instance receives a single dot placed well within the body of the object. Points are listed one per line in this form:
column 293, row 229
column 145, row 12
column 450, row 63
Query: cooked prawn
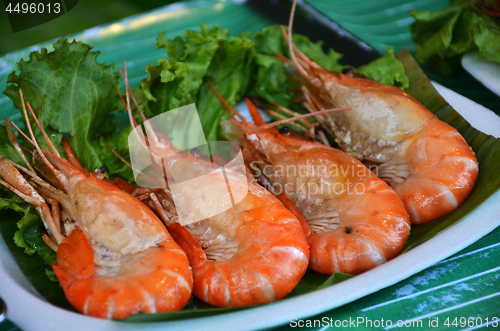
column 427, row 162
column 357, row 221
column 254, row 252
column 114, row 256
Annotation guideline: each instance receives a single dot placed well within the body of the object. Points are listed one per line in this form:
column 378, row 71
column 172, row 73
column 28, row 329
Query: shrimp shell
column 427, row 162
column 271, row 257
column 256, row 250
column 151, row 281
column 153, row 273
column 357, row 220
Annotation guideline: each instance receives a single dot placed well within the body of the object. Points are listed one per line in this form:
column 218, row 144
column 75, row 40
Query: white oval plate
column 27, row 309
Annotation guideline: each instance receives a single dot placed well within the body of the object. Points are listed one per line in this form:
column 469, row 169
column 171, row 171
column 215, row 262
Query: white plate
column 30, row 311
column 488, row 73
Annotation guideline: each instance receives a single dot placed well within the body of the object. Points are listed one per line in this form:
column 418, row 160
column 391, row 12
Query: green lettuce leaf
column 37, row 267
column 238, row 66
column 71, row 94
column 433, row 31
column 6, row 148
column 180, row 80
column 272, row 81
column 386, row 69
column 442, row 36
column 181, row 74
column 271, row 42
column 30, row 228
column 487, row 39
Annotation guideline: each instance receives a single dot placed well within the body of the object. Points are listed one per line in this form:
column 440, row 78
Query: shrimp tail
column 301, row 62
column 443, row 170
column 220, row 283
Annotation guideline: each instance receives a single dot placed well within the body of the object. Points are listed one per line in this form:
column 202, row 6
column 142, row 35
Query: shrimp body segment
column 357, row 221
column 114, row 256
column 427, row 162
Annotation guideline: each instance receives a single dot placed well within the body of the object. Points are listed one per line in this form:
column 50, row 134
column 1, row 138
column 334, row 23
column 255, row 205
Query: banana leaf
column 487, row 150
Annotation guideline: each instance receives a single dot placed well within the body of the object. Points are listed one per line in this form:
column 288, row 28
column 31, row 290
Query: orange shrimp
column 256, row 251
column 427, row 162
column 253, row 252
column 114, row 256
column 357, row 221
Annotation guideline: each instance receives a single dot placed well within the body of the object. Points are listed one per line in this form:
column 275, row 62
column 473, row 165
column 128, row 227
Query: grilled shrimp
column 114, row 256
column 427, row 162
column 253, row 252
column 357, row 221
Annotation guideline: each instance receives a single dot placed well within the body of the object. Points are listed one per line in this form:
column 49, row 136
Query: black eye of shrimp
column 348, row 71
column 284, row 130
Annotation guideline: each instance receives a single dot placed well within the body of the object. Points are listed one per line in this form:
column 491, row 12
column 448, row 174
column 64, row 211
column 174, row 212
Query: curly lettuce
column 239, row 66
column 442, row 36
column 71, row 94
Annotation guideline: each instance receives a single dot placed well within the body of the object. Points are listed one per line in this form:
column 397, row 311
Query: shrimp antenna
column 133, row 123
column 145, row 143
column 224, row 103
column 275, row 114
column 127, row 104
column 49, row 142
column 127, row 86
column 13, row 140
column 309, row 132
column 20, row 149
column 283, row 109
column 296, row 118
column 37, row 147
column 290, row 42
column 121, row 158
column 22, row 133
column 128, row 92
